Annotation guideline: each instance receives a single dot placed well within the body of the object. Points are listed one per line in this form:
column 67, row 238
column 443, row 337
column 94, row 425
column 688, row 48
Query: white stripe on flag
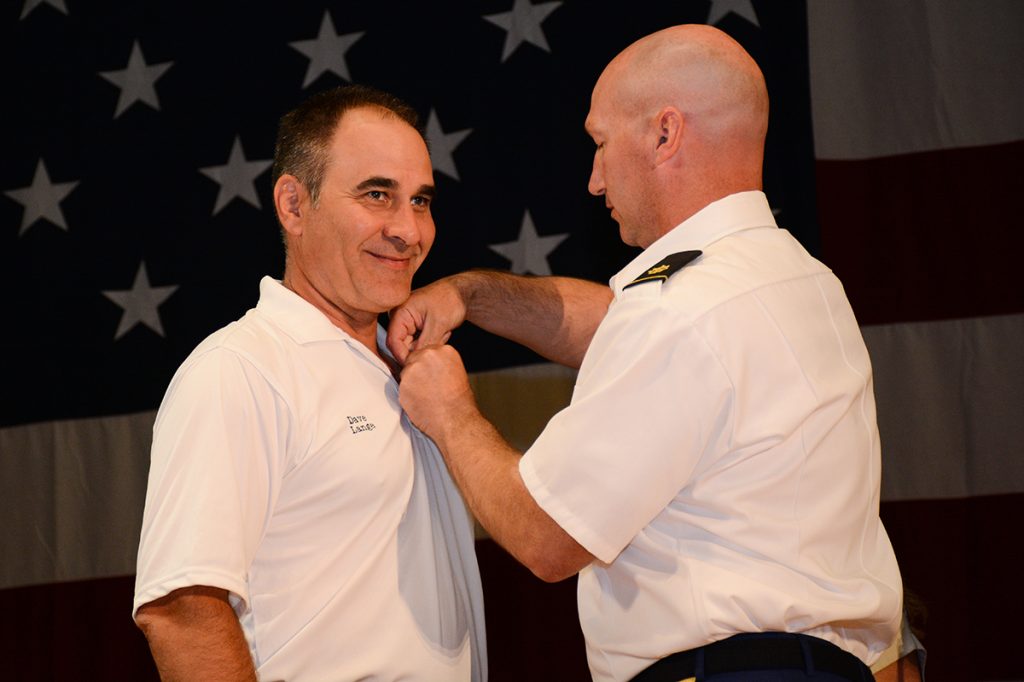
column 72, row 494
column 893, row 78
column 950, row 400
column 519, row 401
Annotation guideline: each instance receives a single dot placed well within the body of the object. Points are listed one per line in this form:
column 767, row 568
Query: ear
column 291, row 201
column 668, row 134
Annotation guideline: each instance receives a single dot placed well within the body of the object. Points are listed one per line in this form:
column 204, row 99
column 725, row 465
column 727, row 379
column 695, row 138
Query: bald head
column 698, row 106
column 701, row 71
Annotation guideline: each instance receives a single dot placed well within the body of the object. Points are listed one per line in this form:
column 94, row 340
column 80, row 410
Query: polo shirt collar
column 304, row 323
column 728, row 215
column 294, row 315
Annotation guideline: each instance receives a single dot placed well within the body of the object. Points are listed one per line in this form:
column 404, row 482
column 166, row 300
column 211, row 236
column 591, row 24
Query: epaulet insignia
column 665, row 269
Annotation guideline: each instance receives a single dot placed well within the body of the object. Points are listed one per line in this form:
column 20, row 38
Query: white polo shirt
column 720, row 456
column 284, row 471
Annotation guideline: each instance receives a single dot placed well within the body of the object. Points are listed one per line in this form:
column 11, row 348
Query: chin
column 389, row 300
column 628, row 237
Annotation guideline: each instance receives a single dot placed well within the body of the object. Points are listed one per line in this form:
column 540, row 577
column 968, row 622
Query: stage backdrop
column 135, row 219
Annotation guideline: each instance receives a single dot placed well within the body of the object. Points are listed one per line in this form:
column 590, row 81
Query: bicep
column 216, row 456
column 584, row 306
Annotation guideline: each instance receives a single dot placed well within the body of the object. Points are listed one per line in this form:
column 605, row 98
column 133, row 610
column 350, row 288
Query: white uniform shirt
column 720, row 456
column 284, row 471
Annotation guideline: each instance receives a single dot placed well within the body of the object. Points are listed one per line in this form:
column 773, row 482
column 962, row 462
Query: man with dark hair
column 297, row 526
column 715, row 479
column 304, row 134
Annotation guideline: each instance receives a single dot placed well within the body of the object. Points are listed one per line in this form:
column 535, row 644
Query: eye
column 376, row 195
column 421, row 201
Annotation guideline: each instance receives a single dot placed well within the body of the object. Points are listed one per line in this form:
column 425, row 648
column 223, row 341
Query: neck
column 361, row 326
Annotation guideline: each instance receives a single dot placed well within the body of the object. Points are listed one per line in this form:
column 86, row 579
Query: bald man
column 715, row 479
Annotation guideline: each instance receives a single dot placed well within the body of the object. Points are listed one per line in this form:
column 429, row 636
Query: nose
column 596, row 184
column 403, row 227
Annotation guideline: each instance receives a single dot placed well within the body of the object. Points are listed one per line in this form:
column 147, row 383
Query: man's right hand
column 427, row 318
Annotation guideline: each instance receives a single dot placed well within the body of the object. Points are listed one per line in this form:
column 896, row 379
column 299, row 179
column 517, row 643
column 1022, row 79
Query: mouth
column 391, row 262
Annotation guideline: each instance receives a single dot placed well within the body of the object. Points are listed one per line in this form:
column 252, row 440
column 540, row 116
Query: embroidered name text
column 358, row 424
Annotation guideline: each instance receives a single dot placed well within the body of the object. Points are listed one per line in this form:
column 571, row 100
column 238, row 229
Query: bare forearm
column 195, row 635
column 553, row 316
column 486, row 469
column 202, row 656
column 435, row 393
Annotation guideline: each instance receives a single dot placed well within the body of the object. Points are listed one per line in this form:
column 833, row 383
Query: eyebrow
column 387, row 183
column 377, row 181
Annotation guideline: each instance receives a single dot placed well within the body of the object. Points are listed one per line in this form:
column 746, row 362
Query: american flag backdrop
column 135, row 219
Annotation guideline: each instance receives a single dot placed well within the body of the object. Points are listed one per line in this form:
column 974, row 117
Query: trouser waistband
column 758, row 651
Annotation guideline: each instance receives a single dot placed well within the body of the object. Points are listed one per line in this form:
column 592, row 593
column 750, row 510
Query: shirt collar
column 304, row 323
column 294, row 315
column 728, row 215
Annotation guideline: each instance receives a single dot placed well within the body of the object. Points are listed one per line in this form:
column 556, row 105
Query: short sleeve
column 648, row 402
column 217, row 455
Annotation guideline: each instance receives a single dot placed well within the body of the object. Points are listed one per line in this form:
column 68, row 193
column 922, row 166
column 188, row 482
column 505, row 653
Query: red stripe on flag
column 533, row 627
column 928, row 236
column 73, row 631
column 84, row 631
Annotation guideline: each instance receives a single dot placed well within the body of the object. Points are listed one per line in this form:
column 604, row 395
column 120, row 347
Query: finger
column 399, row 344
column 424, row 341
column 400, row 348
column 401, row 334
column 435, row 332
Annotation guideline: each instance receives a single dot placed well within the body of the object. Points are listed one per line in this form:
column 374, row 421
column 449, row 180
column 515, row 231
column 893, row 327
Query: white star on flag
column 137, row 80
column 140, row 303
column 523, row 24
column 327, row 51
column 529, row 253
column 744, row 8
column 442, row 145
column 42, row 199
column 32, row 4
column 237, row 177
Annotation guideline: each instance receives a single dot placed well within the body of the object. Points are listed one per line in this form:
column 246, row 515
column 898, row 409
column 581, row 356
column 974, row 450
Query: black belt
column 757, row 651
